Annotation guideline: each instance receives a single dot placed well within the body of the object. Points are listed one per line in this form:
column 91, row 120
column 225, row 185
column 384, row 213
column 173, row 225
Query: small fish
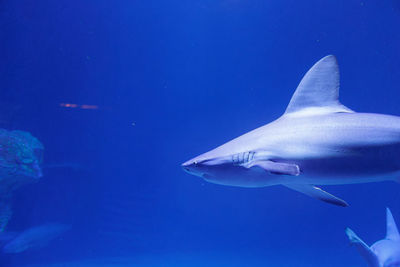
column 383, row 253
column 35, row 237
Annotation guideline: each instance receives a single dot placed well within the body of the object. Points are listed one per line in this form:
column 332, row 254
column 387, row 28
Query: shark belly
column 243, row 177
column 333, row 171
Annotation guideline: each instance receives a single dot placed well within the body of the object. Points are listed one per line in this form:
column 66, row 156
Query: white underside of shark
column 317, row 141
column 383, row 253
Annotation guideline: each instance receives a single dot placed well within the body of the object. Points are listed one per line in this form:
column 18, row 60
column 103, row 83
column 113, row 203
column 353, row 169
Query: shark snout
column 193, row 167
column 186, row 164
column 189, row 165
column 201, row 164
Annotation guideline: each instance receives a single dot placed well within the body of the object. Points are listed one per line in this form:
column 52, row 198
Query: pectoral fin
column 277, row 167
column 318, row 193
column 362, row 248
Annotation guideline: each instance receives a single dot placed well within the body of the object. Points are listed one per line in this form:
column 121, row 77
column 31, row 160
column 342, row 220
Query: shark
column 383, row 253
column 317, row 141
column 35, row 237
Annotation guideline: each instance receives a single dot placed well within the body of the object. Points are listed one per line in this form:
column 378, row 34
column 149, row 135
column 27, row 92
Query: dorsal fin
column 318, row 91
column 391, row 228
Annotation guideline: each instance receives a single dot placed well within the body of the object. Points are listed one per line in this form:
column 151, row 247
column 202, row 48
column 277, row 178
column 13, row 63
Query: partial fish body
column 385, row 252
column 35, row 237
column 317, row 141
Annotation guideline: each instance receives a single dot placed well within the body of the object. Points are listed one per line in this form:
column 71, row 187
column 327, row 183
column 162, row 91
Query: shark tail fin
column 363, row 248
column 391, row 228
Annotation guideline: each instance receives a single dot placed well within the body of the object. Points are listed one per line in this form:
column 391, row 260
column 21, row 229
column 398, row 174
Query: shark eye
column 195, row 162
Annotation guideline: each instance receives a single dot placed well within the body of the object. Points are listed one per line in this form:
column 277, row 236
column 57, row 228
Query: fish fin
column 278, row 168
column 318, row 193
column 363, row 248
column 7, row 236
column 391, row 228
column 318, row 91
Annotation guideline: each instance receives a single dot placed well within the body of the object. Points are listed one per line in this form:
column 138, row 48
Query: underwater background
column 120, row 93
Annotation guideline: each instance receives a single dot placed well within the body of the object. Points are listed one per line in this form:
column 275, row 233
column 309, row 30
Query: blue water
column 166, row 81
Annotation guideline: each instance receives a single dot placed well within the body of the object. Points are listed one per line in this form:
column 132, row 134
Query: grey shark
column 35, row 237
column 383, row 253
column 317, row 141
